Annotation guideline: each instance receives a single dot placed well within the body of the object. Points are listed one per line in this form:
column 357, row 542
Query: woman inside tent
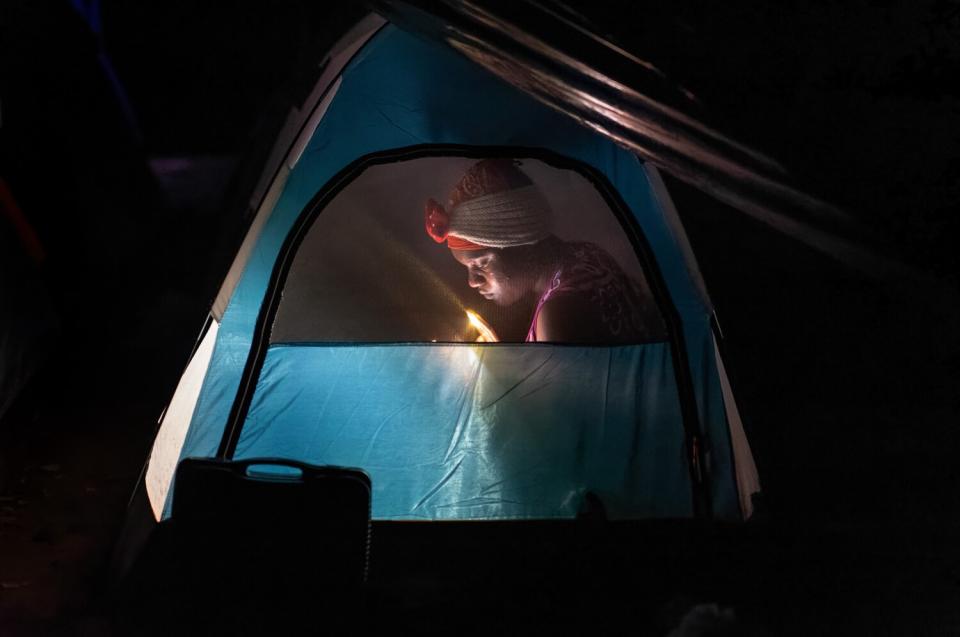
column 497, row 224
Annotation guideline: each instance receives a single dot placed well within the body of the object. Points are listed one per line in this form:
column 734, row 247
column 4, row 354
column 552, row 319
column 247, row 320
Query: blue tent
column 452, row 430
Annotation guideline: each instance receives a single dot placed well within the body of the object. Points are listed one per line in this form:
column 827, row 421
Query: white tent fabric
column 748, row 480
column 175, row 422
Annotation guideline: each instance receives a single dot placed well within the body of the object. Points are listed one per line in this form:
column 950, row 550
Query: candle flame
column 487, row 335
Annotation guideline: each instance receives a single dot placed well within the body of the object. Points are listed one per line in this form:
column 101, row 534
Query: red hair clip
column 437, row 220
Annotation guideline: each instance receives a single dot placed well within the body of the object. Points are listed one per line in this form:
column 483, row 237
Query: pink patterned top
column 625, row 308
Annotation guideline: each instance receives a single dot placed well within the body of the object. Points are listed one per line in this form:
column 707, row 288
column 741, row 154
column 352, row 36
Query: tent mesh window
column 368, row 271
column 382, row 357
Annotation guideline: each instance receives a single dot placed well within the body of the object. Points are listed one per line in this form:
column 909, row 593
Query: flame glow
column 487, row 335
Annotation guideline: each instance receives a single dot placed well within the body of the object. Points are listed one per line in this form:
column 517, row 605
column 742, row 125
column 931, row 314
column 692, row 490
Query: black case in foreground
column 266, row 522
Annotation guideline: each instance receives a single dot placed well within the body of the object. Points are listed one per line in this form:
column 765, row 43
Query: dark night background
column 848, row 385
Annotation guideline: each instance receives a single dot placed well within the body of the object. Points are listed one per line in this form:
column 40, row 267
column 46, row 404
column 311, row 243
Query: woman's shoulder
column 594, row 300
column 584, row 265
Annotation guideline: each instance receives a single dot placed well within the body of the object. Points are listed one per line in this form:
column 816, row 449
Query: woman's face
column 497, row 274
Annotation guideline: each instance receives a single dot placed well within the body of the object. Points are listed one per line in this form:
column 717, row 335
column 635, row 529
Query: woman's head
column 494, row 205
column 494, row 219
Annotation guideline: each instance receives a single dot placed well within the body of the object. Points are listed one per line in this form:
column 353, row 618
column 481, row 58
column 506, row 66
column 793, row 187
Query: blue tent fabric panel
column 399, row 91
column 481, row 432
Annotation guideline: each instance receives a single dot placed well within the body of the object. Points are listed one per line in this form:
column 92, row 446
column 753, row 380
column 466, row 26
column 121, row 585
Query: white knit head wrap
column 515, row 217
